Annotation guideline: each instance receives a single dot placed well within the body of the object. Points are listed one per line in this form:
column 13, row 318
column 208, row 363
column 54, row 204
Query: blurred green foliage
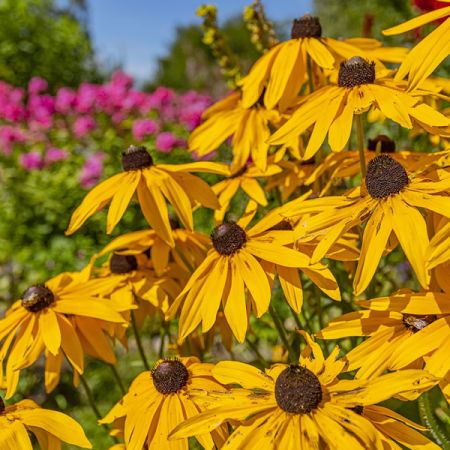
column 38, row 38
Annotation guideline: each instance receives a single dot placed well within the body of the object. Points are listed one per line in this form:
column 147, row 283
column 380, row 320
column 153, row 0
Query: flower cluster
column 312, row 234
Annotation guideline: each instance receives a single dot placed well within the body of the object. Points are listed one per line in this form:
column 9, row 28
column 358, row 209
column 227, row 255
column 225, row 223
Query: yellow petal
column 51, row 334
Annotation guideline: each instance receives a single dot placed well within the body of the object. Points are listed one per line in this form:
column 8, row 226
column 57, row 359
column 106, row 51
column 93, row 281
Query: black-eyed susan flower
column 159, row 400
column 282, row 71
column 154, row 183
column 248, row 126
column 389, row 202
column 403, row 329
column 244, row 260
column 298, row 407
column 245, row 179
column 395, row 429
column 439, row 251
column 359, row 88
column 189, row 251
column 49, row 427
column 423, row 59
column 43, row 322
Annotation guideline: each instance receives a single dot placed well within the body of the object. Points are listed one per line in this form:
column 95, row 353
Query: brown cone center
column 356, row 71
column 298, row 390
column 136, row 158
column 306, row 26
column 170, row 376
column 37, row 298
column 228, row 238
column 122, row 263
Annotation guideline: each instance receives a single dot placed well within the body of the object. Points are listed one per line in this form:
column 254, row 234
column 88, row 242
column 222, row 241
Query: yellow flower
column 43, row 321
column 159, row 400
column 389, row 202
column 282, row 71
column 243, row 259
column 403, row 329
column 423, row 59
column 331, row 108
column 245, row 179
column 249, row 126
column 49, row 427
column 299, row 407
column 153, row 183
column 346, row 164
column 439, row 250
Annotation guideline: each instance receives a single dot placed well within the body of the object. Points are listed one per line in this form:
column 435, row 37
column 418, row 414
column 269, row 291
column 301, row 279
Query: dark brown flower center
column 298, row 390
column 385, row 177
column 283, row 225
column 170, row 376
column 386, row 144
column 136, row 158
column 37, row 297
column 415, row 323
column 306, row 26
column 122, row 263
column 228, row 238
column 356, row 71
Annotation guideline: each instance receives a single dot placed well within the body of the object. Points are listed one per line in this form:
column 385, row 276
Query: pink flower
column 65, row 100
column 91, row 170
column 37, row 85
column 166, row 141
column 144, row 127
column 83, row 125
column 31, row 161
column 9, row 135
column 55, row 154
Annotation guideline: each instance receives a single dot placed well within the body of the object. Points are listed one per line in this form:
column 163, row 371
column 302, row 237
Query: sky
column 136, row 32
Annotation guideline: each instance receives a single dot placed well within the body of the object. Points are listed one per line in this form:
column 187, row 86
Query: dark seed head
column 385, row 176
column 136, row 158
column 122, row 263
column 306, row 26
column 298, row 390
column 228, row 238
column 387, row 144
column 37, row 297
column 283, row 225
column 416, row 323
column 170, row 376
column 356, row 71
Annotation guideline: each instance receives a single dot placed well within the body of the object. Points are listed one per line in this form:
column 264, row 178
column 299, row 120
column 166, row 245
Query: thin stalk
column 282, row 333
column 90, row 397
column 118, row 378
column 310, row 73
column 428, row 419
column 161, row 345
column 139, row 342
column 360, row 138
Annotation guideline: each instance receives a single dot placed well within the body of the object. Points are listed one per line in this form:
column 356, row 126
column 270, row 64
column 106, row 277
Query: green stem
column 310, row 74
column 90, row 397
column 163, row 338
column 139, row 342
column 118, row 378
column 360, row 138
column 428, row 419
column 282, row 333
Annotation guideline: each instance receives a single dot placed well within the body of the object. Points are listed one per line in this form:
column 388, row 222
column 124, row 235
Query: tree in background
column 37, row 38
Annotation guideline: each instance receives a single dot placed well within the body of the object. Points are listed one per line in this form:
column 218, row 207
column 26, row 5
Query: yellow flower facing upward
column 403, row 329
column 423, row 59
column 159, row 400
column 302, row 406
column 245, row 179
column 43, row 322
column 388, row 201
column 249, row 127
column 331, row 108
column 283, row 70
column 49, row 427
column 153, row 183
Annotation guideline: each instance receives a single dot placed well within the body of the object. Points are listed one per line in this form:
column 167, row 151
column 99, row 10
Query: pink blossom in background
column 86, row 97
column 83, row 125
column 166, row 142
column 207, row 157
column 8, row 136
column 161, row 97
column 118, row 117
column 31, row 161
column 55, row 154
column 144, row 127
column 37, row 85
column 65, row 100
column 92, row 170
